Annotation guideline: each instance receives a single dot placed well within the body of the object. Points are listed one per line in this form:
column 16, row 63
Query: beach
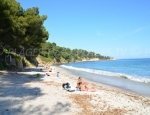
column 24, row 93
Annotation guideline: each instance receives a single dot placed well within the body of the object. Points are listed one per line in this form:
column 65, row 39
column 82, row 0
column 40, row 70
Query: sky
column 116, row 28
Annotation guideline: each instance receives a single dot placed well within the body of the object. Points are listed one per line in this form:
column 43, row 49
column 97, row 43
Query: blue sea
column 131, row 74
column 133, row 69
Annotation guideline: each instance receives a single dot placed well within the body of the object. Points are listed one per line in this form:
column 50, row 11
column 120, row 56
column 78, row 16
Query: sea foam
column 107, row 73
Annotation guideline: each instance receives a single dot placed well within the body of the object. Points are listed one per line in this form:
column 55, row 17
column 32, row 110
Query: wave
column 107, row 73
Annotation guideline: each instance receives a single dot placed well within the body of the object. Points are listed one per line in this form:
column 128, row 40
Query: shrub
column 38, row 75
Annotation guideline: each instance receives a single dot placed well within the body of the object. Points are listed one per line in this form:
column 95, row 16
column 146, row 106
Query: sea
column 130, row 74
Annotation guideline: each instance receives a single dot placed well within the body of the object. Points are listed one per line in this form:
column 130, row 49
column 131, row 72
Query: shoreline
column 111, row 90
column 139, row 88
column 109, row 74
column 22, row 93
column 84, row 60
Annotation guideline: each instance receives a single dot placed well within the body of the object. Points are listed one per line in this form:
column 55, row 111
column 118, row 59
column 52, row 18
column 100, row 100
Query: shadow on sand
column 60, row 108
column 14, row 92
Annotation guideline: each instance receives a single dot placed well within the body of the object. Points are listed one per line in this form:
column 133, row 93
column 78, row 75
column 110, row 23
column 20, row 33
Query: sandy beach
column 26, row 94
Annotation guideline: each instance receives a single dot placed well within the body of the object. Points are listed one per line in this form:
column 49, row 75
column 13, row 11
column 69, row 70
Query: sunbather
column 83, row 85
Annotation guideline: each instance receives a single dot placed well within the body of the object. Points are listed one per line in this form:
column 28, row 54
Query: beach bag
column 68, row 87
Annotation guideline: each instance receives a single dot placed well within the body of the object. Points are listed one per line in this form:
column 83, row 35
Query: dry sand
column 22, row 93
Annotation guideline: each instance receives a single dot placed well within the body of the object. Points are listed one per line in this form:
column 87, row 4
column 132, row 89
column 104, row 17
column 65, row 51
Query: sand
column 26, row 94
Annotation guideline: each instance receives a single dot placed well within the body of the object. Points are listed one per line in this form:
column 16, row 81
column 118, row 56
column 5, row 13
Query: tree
column 62, row 54
column 21, row 30
column 10, row 10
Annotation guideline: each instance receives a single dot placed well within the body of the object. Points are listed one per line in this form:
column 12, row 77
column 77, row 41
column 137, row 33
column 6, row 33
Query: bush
column 38, row 75
column 3, row 66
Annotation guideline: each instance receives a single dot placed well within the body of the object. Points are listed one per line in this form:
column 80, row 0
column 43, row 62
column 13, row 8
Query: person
column 58, row 74
column 47, row 74
column 79, row 81
column 50, row 70
column 82, row 85
column 36, row 64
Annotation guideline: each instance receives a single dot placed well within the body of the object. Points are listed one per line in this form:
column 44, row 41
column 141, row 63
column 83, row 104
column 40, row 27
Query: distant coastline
column 94, row 59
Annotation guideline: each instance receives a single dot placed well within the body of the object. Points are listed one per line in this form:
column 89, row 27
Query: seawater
column 134, row 69
column 129, row 74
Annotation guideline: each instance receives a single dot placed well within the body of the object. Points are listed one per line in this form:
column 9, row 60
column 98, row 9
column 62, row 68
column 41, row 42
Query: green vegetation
column 64, row 55
column 21, row 31
column 23, row 37
column 44, row 59
column 38, row 75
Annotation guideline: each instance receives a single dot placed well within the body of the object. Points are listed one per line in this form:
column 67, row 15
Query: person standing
column 58, row 75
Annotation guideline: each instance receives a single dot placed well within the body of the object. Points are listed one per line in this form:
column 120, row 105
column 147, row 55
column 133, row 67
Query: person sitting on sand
column 82, row 85
column 50, row 70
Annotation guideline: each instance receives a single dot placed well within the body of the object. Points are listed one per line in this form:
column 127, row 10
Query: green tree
column 21, row 29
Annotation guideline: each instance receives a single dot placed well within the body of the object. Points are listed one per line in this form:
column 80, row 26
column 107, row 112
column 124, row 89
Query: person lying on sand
column 83, row 85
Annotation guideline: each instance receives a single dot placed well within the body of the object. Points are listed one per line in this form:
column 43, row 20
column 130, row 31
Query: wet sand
column 122, row 83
